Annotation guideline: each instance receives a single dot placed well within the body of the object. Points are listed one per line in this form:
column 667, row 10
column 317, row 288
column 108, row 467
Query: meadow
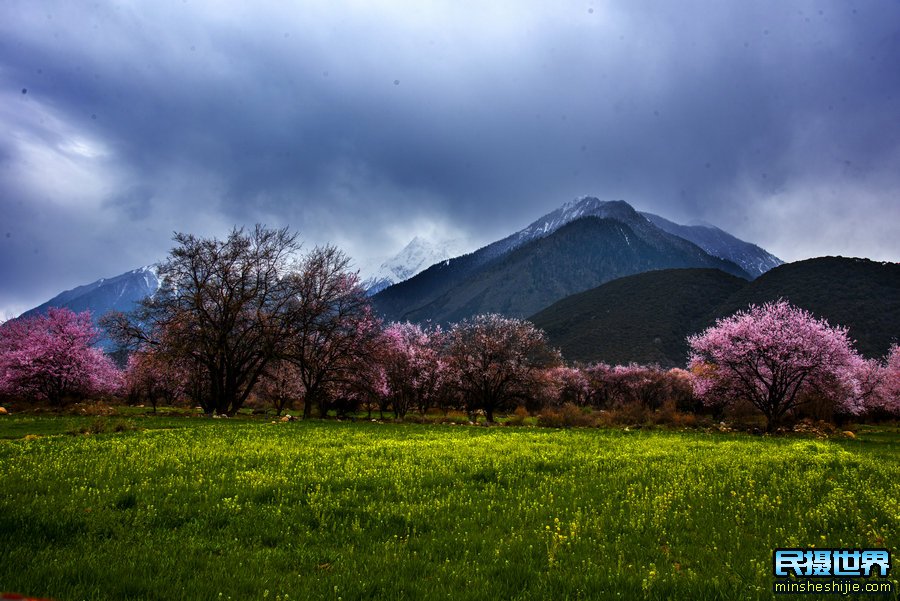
column 193, row 508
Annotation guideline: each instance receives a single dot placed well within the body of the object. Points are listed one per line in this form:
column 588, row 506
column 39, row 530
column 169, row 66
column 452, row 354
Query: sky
column 364, row 124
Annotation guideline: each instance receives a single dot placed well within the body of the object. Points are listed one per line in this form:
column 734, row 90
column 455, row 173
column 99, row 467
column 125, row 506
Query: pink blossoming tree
column 886, row 397
column 774, row 356
column 413, row 366
column 50, row 357
column 567, row 385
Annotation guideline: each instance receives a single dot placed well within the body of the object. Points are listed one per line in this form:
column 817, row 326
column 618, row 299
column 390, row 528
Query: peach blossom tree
column 775, row 356
column 51, row 357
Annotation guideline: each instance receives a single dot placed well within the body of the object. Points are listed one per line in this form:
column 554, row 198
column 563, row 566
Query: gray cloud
column 365, row 125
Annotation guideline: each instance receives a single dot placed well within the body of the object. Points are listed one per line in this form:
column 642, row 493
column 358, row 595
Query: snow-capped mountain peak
column 718, row 243
column 712, row 240
column 583, row 206
column 415, row 257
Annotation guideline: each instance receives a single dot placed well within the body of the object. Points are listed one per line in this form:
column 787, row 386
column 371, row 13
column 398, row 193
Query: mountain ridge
column 117, row 293
column 433, row 287
column 719, row 243
column 533, row 275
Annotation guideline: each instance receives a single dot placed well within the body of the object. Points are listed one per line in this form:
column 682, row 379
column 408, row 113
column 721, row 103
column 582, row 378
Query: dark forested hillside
column 645, row 318
column 861, row 294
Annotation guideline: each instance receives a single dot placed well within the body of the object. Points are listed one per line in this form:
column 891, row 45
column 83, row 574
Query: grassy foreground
column 203, row 509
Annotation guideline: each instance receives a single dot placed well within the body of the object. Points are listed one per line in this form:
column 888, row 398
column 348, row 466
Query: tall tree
column 51, row 357
column 331, row 324
column 223, row 306
column 496, row 360
column 774, row 356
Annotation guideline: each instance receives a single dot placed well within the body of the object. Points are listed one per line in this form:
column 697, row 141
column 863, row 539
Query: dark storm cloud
column 366, row 125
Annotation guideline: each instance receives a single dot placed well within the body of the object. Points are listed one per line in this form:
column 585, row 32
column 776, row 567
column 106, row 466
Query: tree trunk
column 307, row 406
column 228, row 403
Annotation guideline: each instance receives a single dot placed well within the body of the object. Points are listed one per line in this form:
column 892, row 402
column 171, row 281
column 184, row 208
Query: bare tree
column 223, row 306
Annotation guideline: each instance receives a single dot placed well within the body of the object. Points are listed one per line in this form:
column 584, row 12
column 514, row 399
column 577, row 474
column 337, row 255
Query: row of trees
column 249, row 317
column 488, row 364
column 245, row 316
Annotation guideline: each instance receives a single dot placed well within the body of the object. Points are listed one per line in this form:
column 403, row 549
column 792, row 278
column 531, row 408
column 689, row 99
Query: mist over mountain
column 415, row 257
column 354, row 123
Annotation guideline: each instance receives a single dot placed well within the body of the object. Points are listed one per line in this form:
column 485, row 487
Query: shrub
column 518, row 417
column 567, row 416
column 631, row 414
column 103, row 425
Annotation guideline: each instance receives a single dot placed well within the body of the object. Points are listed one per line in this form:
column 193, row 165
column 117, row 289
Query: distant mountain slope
column 575, row 257
column 119, row 293
column 645, row 318
column 749, row 257
column 473, row 283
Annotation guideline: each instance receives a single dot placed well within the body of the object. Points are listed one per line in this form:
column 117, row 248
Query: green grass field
column 191, row 508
